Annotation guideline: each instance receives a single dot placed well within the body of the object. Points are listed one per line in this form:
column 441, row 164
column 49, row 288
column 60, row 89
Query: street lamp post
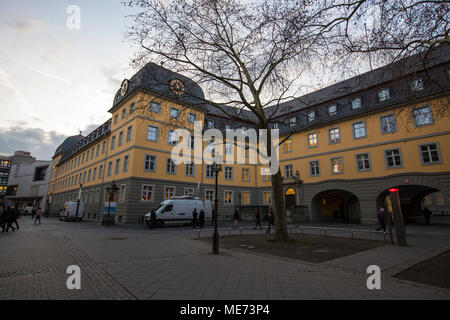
column 78, row 202
column 217, row 168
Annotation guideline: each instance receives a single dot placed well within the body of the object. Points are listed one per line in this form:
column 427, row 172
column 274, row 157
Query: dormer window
column 356, row 103
column 275, row 125
column 332, row 110
column 174, row 113
column 383, row 95
column 417, row 85
column 311, row 116
column 210, row 124
column 292, row 121
column 227, row 126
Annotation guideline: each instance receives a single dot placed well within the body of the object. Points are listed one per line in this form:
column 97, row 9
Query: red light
column 393, row 190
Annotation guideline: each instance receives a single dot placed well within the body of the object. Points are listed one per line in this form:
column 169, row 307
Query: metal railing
column 291, row 228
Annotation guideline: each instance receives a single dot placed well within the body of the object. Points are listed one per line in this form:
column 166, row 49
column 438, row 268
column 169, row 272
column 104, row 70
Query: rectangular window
column 116, row 118
column 422, row 116
column 174, row 113
column 228, row 148
column 209, row 171
column 120, row 138
column 362, row 161
column 132, row 108
column 92, row 153
column 94, row 175
column 150, row 163
column 359, row 130
column 100, row 172
column 89, row 175
column 383, row 95
column 109, row 168
column 189, row 169
column 170, row 167
column 332, row 110
column 292, row 121
column 417, row 85
column 314, row 168
column 116, row 170
column 393, row 158
column 124, row 113
column 430, row 153
column 155, row 107
column 84, row 177
column 245, row 198
column 228, row 197
column 313, row 140
column 97, row 153
column 209, row 195
column 190, row 192
column 129, row 134
column 192, row 117
column 103, row 150
column 288, row 171
column 337, row 166
column 356, row 103
column 169, row 193
column 288, row 145
column 311, row 116
column 210, row 124
column 266, row 174
column 152, row 133
column 172, row 137
column 228, row 173
column 245, row 174
column 335, row 135
column 125, row 163
column 122, row 190
column 97, row 195
column 147, row 193
column 113, row 142
column 267, row 197
column 388, row 124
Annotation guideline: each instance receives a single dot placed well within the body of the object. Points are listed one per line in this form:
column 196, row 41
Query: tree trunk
column 281, row 233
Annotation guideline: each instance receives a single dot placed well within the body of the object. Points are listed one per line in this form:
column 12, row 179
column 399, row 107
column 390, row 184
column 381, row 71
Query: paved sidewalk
column 134, row 263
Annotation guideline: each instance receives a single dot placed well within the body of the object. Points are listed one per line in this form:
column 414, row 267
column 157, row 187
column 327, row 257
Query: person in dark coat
column 381, row 220
column 194, row 218
column 9, row 219
column 236, row 218
column 258, row 219
column 15, row 216
column 271, row 220
column 33, row 213
column 152, row 219
column 3, row 219
column 427, row 215
column 201, row 218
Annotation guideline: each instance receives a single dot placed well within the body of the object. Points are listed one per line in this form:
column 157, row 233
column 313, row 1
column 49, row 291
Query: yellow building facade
column 345, row 146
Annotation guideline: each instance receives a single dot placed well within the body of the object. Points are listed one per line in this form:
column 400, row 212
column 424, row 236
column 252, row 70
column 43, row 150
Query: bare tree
column 248, row 55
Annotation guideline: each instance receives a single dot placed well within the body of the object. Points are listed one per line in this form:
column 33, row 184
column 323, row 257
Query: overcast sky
column 55, row 81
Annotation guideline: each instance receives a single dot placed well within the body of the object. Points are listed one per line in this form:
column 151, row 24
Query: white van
column 179, row 211
column 70, row 211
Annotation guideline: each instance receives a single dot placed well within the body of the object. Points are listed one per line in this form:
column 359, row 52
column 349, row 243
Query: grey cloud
column 42, row 144
column 111, row 75
column 26, row 25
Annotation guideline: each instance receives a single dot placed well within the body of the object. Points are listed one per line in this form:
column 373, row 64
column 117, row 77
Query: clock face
column 124, row 87
column 176, row 86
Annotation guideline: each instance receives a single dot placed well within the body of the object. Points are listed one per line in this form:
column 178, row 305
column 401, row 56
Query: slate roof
column 157, row 78
column 68, row 144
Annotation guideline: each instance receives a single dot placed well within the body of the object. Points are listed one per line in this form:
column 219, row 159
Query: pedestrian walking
column 201, row 218
column 194, row 218
column 9, row 219
column 427, row 215
column 381, row 220
column 15, row 216
column 33, row 212
column 38, row 215
column 258, row 219
column 271, row 220
column 236, row 218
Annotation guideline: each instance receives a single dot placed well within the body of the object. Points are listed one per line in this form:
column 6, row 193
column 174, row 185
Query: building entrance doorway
column 337, row 205
column 290, row 198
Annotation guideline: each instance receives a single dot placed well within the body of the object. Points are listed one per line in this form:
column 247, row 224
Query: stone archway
column 336, row 205
column 290, row 198
column 411, row 198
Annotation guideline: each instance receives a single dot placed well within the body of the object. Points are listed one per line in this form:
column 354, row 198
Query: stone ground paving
column 124, row 262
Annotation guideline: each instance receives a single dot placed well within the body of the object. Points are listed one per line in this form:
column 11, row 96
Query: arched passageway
column 336, row 205
column 411, row 201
